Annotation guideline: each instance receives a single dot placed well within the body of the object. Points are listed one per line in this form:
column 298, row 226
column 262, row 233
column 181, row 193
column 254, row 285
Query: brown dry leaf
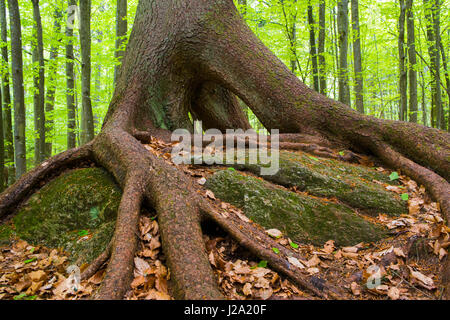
column 399, row 252
column 274, row 233
column 156, row 295
column 423, row 280
column 247, row 289
column 329, row 247
column 37, row 276
column 141, row 266
column 210, row 194
column 22, row 285
column 312, row 271
column 442, row 253
column 138, row 281
column 356, row 288
column 350, row 249
column 393, row 293
column 314, row 261
column 294, row 261
column 350, row 255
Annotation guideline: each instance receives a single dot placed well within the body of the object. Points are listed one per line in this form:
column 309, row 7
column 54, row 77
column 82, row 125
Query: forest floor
column 407, row 263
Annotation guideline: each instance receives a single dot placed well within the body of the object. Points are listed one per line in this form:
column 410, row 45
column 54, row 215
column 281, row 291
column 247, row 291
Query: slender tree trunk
column 424, row 106
column 357, row 60
column 6, row 101
column 437, row 67
column 121, row 32
column 18, row 89
column 39, row 85
column 447, row 81
column 344, row 88
column 51, row 82
column 2, row 151
column 70, row 90
column 313, row 47
column 412, row 62
column 403, row 73
column 87, row 117
column 321, row 49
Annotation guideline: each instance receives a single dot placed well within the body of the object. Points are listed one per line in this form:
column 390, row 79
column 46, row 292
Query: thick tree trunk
column 70, row 83
column 344, row 88
column 39, row 85
column 87, row 117
column 18, row 90
column 51, row 82
column 121, row 32
column 359, row 81
column 313, row 47
column 403, row 73
column 207, row 54
column 412, row 62
column 6, row 99
column 321, row 49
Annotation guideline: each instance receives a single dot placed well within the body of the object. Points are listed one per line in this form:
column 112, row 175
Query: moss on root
column 353, row 184
column 76, row 211
column 304, row 219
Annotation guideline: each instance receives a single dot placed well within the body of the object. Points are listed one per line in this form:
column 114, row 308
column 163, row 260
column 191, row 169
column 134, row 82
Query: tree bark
column 70, row 83
column 313, row 47
column 87, row 117
column 357, row 60
column 344, row 88
column 412, row 62
column 121, row 32
column 447, row 80
column 403, row 73
column 51, row 83
column 39, row 85
column 2, row 151
column 18, row 90
column 6, row 101
column 321, row 49
column 209, row 52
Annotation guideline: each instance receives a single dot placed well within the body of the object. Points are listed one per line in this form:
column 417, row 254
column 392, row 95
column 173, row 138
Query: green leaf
column 313, row 158
column 276, row 250
column 293, row 245
column 83, row 233
column 20, row 296
column 342, row 153
column 29, row 260
column 394, row 176
column 232, row 169
column 405, row 197
column 262, row 264
column 94, row 212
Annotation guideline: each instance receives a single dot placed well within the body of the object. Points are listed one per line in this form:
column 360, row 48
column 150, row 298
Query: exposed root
column 260, row 244
column 27, row 184
column 97, row 263
column 119, row 272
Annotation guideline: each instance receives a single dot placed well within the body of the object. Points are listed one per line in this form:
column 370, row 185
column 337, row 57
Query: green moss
column 304, row 219
column 79, row 202
column 5, row 234
column 353, row 184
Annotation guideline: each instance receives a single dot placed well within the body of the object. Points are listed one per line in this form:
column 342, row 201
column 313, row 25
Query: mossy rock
column 76, row 211
column 302, row 218
column 353, row 184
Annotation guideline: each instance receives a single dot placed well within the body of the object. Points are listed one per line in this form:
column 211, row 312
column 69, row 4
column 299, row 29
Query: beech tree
column 193, row 57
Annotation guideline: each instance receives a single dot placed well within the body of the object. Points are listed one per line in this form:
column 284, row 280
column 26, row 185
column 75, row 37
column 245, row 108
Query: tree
column 87, row 117
column 403, row 73
column 70, row 83
column 359, row 81
column 121, row 31
column 344, row 88
column 2, row 152
column 157, row 89
column 51, row 83
column 6, row 101
column 313, row 47
column 321, row 49
column 412, row 61
column 39, row 85
column 18, row 90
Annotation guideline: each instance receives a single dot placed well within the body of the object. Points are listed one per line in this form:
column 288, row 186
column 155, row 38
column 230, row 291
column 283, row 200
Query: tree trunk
column 321, row 49
column 121, row 32
column 51, row 82
column 87, row 117
column 359, row 81
column 6, row 101
column 39, row 85
column 403, row 80
column 313, row 47
column 412, row 62
column 70, row 83
column 2, row 151
column 447, row 80
column 18, row 90
column 437, row 68
column 344, row 88
column 207, row 54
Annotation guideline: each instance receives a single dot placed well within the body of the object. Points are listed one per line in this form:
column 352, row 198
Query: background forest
column 388, row 59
